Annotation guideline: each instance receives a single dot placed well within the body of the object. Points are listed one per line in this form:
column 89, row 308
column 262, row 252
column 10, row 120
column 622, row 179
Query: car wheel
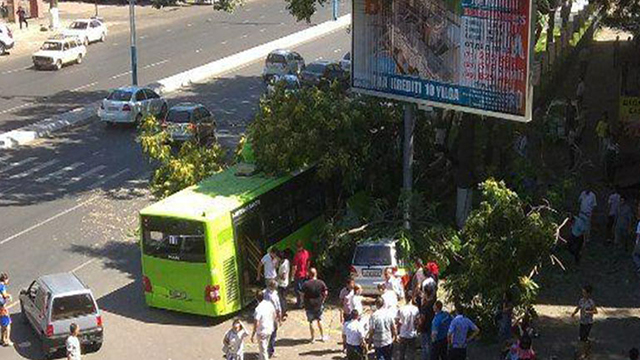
column 3, row 49
column 24, row 319
column 79, row 60
column 94, row 347
column 58, row 64
column 103, row 37
column 109, row 124
column 163, row 111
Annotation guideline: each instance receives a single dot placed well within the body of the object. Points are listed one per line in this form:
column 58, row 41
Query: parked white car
column 130, row 104
column 59, row 51
column 345, row 63
column 282, row 62
column 88, row 30
column 6, row 39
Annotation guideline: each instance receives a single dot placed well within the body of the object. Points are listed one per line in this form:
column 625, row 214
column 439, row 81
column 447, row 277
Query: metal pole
column 134, row 55
column 335, row 9
column 407, row 162
column 96, row 5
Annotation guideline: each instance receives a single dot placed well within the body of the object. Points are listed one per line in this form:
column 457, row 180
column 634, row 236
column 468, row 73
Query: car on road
column 322, row 70
column 371, row 258
column 88, row 30
column 345, row 62
column 59, row 51
column 6, row 39
column 52, row 302
column 282, row 62
column 130, row 104
column 291, row 83
column 187, row 121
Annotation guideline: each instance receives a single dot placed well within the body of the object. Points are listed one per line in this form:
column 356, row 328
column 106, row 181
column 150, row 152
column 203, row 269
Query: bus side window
column 278, row 214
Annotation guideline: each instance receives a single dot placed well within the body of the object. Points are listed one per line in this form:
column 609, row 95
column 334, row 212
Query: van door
column 32, row 306
column 250, row 246
column 79, row 308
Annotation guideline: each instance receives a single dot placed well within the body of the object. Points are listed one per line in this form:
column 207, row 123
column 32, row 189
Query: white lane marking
column 337, row 50
column 198, row 50
column 16, row 164
column 34, row 169
column 245, row 21
column 15, row 70
column 261, row 16
column 84, row 86
column 224, row 42
column 168, row 30
column 319, row 58
column 4, row 158
column 189, row 25
column 14, row 108
column 114, row 44
column 84, row 175
column 248, row 9
column 58, row 173
column 83, row 265
column 142, row 37
column 245, row 36
column 121, row 75
column 155, row 64
column 263, row 30
column 46, row 221
column 108, row 178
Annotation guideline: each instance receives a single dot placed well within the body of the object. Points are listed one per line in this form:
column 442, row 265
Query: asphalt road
column 70, row 203
column 28, row 95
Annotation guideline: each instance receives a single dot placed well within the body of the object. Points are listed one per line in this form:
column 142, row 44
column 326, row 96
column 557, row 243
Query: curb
column 167, row 85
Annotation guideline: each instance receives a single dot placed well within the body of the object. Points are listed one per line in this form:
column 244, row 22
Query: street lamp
column 134, row 55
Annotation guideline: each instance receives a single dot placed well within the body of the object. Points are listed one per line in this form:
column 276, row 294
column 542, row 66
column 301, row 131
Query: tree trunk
column 550, row 28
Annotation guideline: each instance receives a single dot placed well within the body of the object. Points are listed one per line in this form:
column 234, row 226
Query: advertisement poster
column 467, row 55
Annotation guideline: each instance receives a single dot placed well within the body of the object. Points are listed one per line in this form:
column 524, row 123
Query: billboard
column 467, row 55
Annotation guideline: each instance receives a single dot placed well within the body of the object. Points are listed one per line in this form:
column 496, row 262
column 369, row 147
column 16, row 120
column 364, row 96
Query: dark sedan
column 322, row 70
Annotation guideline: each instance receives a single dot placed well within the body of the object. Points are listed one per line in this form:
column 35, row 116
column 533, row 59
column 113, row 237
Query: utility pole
column 134, row 55
column 335, row 9
column 95, row 2
column 407, row 162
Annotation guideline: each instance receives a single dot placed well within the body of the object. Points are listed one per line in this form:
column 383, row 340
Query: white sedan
column 129, row 104
column 88, row 30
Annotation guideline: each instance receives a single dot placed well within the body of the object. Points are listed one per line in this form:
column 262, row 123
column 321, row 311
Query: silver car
column 129, row 104
column 282, row 62
column 370, row 259
column 52, row 302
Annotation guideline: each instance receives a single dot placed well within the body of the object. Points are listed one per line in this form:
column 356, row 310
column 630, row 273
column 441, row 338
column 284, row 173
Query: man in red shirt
column 301, row 265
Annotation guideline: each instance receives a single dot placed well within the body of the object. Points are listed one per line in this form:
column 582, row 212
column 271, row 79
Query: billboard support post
column 407, row 162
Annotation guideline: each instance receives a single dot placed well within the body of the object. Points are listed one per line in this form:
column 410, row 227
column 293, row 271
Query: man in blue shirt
column 459, row 336
column 439, row 332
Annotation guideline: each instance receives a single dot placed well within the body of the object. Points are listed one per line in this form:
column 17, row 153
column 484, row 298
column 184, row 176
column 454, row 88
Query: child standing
column 233, row 343
column 587, row 308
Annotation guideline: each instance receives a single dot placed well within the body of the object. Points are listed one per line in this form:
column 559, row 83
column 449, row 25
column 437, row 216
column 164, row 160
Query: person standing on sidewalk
column 263, row 325
column 345, row 296
column 5, row 317
column 353, row 337
column 588, row 202
column 576, row 241
column 315, row 293
column 408, row 320
column 268, row 263
column 382, row 331
column 461, row 332
column 613, row 204
column 271, row 294
column 73, row 343
column 587, row 308
column 301, row 265
column 22, row 17
column 439, row 332
column 284, row 275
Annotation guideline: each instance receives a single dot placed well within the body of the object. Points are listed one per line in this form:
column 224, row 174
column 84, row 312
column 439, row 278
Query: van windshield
column 372, row 255
column 73, row 306
column 120, row 95
column 173, row 239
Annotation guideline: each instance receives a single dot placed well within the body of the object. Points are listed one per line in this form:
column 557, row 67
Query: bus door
column 250, row 247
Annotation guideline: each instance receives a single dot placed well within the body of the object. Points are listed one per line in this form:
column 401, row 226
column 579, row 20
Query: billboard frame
column 528, row 115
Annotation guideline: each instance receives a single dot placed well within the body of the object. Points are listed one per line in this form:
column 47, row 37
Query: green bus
column 201, row 246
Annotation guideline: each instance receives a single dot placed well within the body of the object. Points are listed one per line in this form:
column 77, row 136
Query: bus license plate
column 177, row 295
column 371, row 272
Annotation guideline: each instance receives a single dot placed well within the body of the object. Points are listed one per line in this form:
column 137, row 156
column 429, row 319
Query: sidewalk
column 115, row 16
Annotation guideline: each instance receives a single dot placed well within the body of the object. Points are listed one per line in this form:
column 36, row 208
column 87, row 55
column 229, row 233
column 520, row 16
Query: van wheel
column 79, row 60
column 23, row 314
column 3, row 49
column 58, row 64
column 94, row 347
column 103, row 37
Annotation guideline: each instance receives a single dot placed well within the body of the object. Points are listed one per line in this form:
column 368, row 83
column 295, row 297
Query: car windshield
column 347, row 56
column 73, row 306
column 120, row 95
column 178, row 116
column 276, row 58
column 78, row 25
column 372, row 255
column 315, row 68
column 50, row 45
column 173, row 239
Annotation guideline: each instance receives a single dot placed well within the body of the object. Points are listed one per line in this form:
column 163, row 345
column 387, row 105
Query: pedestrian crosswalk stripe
column 60, row 172
column 17, row 164
column 84, row 175
column 34, row 169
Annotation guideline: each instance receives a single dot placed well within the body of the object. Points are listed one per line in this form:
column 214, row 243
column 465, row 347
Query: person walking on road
column 233, row 341
column 346, row 295
column 271, row 295
column 613, row 204
column 356, row 300
column 353, row 337
column 587, row 202
column 73, row 343
column 408, row 319
column 284, row 275
column 5, row 317
column 623, row 224
column 587, row 308
column 268, row 263
column 461, row 332
column 263, row 325
column 390, row 300
column 315, row 293
column 382, row 331
column 301, row 265
column 576, row 240
column 439, row 332
column 4, row 11
column 22, row 17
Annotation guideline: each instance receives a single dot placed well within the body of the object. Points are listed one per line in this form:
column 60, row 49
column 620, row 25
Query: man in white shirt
column 407, row 320
column 269, row 263
column 353, row 337
column 382, row 331
column 346, row 294
column 587, row 202
column 390, row 300
column 271, row 294
column 614, row 209
column 393, row 283
column 264, row 324
column 72, row 343
column 284, row 276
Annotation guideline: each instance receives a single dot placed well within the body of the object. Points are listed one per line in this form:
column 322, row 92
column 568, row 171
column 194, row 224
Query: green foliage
column 353, row 138
column 227, row 5
column 503, row 243
column 304, row 9
column 159, row 4
column 175, row 170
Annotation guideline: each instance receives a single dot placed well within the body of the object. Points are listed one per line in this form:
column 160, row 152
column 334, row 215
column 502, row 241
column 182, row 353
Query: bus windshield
column 173, row 239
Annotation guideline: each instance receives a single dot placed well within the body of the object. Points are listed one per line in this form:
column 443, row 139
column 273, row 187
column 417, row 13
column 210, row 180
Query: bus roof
column 216, row 195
